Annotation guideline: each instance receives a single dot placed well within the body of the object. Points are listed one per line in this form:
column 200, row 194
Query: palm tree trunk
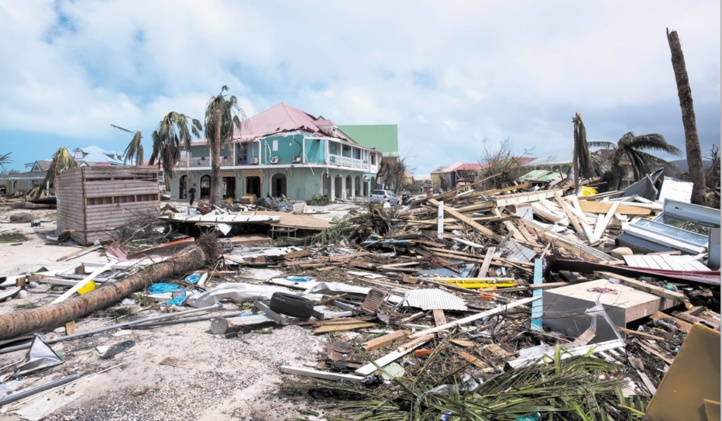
column 22, row 322
column 691, row 138
column 216, row 184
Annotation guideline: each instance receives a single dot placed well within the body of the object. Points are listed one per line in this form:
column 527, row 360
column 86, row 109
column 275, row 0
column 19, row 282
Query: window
column 373, row 158
column 275, row 145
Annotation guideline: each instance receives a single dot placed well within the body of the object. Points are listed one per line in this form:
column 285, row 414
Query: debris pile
column 512, row 303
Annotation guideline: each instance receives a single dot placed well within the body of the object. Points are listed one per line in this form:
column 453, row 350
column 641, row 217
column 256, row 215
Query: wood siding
column 94, row 201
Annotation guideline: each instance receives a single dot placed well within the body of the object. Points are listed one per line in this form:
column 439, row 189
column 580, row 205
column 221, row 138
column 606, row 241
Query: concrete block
column 564, row 307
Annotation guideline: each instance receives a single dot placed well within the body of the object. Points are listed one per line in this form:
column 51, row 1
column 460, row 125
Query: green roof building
column 382, row 137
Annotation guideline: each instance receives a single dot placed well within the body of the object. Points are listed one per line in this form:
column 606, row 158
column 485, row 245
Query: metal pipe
column 34, row 390
column 188, row 320
column 117, row 326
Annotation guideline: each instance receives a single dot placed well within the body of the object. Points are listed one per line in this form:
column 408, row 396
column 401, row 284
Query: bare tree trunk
column 216, row 184
column 691, row 137
column 22, row 322
column 575, row 159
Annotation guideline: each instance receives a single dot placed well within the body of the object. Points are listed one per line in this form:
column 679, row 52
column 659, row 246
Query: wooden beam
column 385, row 340
column 309, row 372
column 468, row 221
column 475, row 317
column 439, row 318
column 487, row 261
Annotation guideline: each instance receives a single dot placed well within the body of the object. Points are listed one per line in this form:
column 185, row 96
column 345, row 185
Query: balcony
column 204, row 162
column 344, row 161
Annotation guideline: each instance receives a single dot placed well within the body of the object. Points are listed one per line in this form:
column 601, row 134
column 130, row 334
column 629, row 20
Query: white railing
column 200, row 162
column 347, row 162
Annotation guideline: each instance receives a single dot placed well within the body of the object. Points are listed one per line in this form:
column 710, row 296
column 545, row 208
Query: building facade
column 282, row 151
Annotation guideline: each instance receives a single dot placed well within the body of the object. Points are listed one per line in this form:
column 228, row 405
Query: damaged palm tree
column 359, row 228
column 582, row 164
column 62, row 160
column 22, row 322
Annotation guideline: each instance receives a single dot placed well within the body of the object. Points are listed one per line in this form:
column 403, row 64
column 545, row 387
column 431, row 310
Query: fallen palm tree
column 26, row 321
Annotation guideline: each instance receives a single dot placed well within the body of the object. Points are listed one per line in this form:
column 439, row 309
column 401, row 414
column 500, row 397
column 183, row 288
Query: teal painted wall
column 315, row 151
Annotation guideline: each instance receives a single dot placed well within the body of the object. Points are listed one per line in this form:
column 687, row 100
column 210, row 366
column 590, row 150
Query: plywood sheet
column 603, row 207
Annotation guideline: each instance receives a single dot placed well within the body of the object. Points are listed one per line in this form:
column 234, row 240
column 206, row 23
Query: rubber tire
column 291, row 305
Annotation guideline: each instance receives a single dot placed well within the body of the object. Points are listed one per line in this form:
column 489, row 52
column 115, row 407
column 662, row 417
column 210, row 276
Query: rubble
column 455, row 305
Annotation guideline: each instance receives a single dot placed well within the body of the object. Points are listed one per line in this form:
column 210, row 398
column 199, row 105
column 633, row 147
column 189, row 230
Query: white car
column 380, row 196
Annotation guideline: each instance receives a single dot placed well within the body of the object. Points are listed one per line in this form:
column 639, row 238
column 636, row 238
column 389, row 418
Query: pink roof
column 286, row 118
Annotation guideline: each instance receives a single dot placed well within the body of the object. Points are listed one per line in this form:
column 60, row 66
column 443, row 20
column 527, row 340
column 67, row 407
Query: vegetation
column 134, row 151
column 691, row 137
column 582, row 163
column 222, row 117
column 172, row 136
column 393, row 171
column 12, row 237
column 632, row 147
column 62, row 160
column 5, row 159
column 499, row 166
column 577, row 388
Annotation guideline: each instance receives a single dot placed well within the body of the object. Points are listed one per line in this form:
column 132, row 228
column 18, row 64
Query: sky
column 457, row 77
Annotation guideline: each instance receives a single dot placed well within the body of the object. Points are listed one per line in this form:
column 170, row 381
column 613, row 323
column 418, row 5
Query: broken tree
column 26, row 321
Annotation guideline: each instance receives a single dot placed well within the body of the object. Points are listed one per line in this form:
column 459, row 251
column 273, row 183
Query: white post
column 440, row 233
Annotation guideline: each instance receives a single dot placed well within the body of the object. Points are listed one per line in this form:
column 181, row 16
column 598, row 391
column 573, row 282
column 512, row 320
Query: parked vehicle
column 381, row 196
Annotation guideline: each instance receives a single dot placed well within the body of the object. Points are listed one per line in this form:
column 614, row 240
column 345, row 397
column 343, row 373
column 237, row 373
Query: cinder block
column 564, row 307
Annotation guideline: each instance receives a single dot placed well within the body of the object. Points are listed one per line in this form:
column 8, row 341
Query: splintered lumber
column 439, row 318
column 79, row 253
column 416, row 342
column 21, row 322
column 475, row 317
column 473, row 360
column 463, row 343
column 389, row 358
column 468, row 221
column 575, row 247
column 638, row 333
column 602, row 225
column 385, row 340
column 83, row 283
column 654, row 352
column 487, row 261
column 336, row 327
column 579, row 224
column 309, row 372
column 604, row 207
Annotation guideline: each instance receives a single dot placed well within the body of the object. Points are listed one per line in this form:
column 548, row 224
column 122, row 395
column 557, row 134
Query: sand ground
column 171, row 373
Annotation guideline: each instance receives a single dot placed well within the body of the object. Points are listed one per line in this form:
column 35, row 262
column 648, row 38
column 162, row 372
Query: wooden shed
column 94, row 201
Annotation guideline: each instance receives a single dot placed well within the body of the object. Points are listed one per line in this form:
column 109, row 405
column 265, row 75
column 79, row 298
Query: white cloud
column 475, row 69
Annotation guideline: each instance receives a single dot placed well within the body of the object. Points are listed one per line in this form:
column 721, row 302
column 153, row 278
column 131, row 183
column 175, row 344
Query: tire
column 291, row 305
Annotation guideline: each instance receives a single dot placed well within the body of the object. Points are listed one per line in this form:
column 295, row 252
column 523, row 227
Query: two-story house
column 282, row 151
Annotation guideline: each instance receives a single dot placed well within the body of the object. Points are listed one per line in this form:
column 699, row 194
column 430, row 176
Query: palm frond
column 653, row 142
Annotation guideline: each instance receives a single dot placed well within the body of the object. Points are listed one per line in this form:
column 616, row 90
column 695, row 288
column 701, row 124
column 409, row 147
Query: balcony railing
column 347, row 162
column 204, row 161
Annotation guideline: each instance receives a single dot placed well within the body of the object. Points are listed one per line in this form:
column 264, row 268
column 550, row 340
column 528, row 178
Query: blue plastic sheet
column 298, row 278
column 193, row 279
column 162, row 287
column 176, row 301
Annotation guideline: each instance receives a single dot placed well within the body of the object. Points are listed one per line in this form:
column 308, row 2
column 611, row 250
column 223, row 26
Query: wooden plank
column 654, row 352
column 487, row 261
column 601, row 227
column 641, row 334
column 473, row 360
column 463, row 343
column 439, row 318
column 82, row 283
column 78, row 253
column 582, row 229
column 416, row 342
column 337, row 328
column 386, row 360
column 385, row 340
column 481, row 315
column 603, row 207
column 309, row 372
column 466, row 220
column 683, row 326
